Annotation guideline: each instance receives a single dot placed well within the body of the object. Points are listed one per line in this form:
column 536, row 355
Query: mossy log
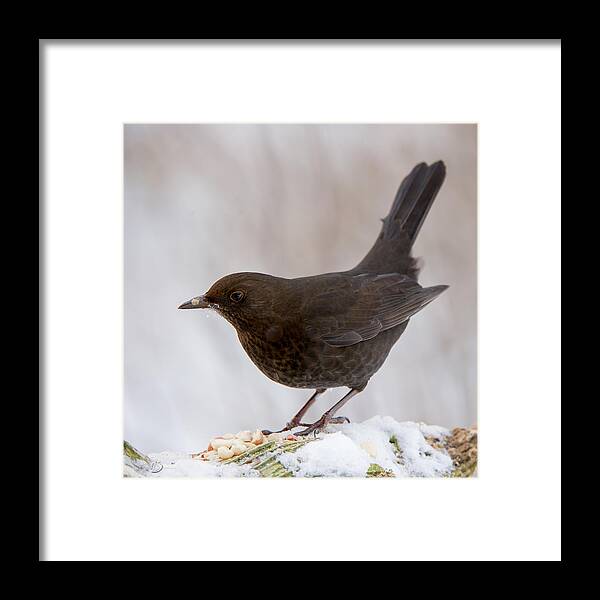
column 137, row 464
column 460, row 444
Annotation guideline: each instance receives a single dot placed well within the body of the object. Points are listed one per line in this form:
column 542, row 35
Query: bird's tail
column 391, row 252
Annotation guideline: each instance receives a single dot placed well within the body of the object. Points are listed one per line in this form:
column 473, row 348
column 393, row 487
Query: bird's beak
column 197, row 302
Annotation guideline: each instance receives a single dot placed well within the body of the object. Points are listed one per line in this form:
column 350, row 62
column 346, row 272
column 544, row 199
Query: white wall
column 203, row 201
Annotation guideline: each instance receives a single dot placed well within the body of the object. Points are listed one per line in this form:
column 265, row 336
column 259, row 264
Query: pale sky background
column 202, row 201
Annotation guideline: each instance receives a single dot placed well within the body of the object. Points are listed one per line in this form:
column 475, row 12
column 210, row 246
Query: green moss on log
column 263, row 458
column 375, row 470
column 133, row 454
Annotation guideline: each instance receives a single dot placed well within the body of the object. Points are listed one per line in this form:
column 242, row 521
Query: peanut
column 220, row 442
column 224, row 453
column 238, row 449
column 258, row 437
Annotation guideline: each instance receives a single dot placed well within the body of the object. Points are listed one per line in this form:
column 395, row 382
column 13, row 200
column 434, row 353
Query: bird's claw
column 314, row 428
column 319, row 425
column 269, row 432
column 288, row 427
column 310, row 427
column 339, row 420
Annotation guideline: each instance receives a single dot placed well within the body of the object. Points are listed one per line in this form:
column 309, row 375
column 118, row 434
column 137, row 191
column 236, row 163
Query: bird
column 336, row 329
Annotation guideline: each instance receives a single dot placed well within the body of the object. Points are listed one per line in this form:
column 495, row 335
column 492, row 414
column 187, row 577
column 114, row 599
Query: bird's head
column 244, row 299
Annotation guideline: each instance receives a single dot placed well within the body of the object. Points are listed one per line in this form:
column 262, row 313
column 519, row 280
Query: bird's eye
column 237, row 296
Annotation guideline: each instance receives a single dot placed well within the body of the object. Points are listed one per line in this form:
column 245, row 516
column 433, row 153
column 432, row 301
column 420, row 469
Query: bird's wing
column 352, row 311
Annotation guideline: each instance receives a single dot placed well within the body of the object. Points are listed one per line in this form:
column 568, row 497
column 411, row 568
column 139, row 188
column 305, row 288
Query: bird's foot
column 319, row 425
column 288, row 427
column 269, row 432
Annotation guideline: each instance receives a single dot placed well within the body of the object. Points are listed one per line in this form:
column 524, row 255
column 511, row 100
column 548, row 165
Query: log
column 377, row 448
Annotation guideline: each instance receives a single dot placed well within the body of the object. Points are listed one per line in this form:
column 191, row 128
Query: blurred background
column 202, row 201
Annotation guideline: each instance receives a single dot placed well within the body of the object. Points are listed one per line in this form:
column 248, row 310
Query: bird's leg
column 298, row 416
column 328, row 417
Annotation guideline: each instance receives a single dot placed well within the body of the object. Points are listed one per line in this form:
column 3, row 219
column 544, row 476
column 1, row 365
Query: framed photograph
column 290, row 294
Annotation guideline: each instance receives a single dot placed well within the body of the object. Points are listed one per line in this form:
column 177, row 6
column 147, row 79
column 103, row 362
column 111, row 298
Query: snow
column 346, row 450
column 178, row 464
column 334, row 455
column 354, row 446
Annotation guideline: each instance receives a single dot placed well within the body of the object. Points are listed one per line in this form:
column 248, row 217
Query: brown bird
column 336, row 329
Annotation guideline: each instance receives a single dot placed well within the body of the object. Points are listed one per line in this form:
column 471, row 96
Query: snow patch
column 177, row 464
column 334, row 455
column 408, row 454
